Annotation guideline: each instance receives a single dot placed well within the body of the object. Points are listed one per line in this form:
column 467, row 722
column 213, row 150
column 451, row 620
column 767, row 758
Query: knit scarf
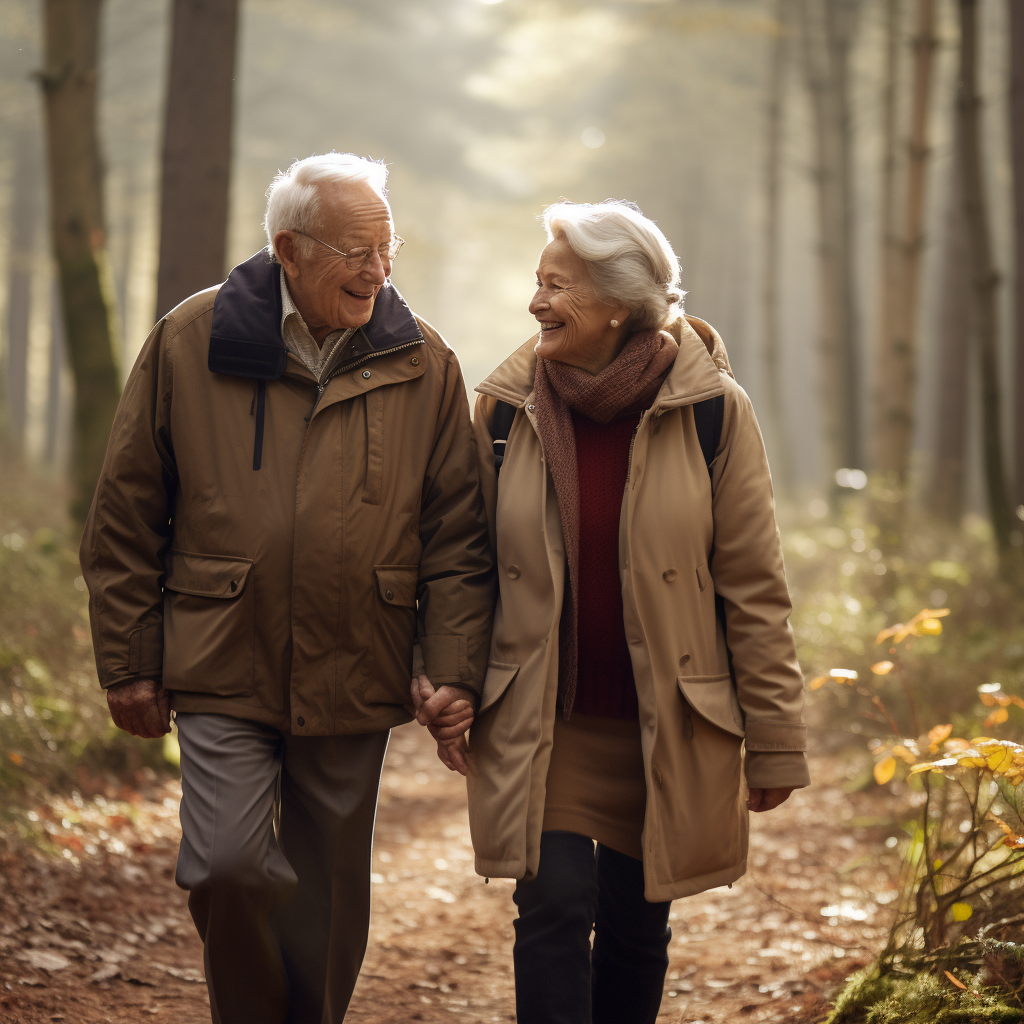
column 626, row 386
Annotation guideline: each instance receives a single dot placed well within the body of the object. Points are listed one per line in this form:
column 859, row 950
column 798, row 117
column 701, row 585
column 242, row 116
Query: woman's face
column 575, row 325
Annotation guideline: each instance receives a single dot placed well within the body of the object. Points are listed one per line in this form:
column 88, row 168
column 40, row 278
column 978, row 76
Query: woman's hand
column 767, row 799
column 447, row 713
column 452, row 754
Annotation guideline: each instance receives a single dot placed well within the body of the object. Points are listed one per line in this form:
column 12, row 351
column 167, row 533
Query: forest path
column 102, row 934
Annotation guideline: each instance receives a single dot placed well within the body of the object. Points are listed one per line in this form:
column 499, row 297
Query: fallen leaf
column 884, row 770
column 956, row 981
column 997, row 717
column 43, row 960
column 961, row 911
column 106, row 972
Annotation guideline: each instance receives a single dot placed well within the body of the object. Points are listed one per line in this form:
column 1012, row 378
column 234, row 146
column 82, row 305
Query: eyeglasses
column 359, row 258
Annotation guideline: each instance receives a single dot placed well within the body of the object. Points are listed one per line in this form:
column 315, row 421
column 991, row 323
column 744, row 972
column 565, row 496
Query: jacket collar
column 245, row 340
column 695, row 375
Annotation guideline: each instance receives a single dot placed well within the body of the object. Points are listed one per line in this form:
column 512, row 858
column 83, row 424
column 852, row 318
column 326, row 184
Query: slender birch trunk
column 1017, row 145
column 69, row 82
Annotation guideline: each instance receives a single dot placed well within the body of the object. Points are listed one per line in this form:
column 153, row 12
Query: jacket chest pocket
column 209, row 624
column 374, row 446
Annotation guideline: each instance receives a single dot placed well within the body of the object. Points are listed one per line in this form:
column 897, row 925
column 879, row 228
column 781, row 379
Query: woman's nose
column 538, row 303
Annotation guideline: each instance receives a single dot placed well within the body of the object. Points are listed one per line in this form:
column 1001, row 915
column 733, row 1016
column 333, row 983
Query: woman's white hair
column 294, row 199
column 629, row 258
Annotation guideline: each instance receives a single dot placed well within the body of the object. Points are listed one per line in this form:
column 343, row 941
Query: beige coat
column 293, row 593
column 682, row 537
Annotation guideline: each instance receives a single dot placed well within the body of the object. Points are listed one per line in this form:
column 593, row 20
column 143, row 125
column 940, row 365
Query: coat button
column 301, row 721
column 415, row 360
column 669, row 575
column 513, row 572
column 389, row 594
column 683, row 660
column 366, row 374
column 531, row 407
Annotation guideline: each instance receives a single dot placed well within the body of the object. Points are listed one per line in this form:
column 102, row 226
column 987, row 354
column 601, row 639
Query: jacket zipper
column 345, row 367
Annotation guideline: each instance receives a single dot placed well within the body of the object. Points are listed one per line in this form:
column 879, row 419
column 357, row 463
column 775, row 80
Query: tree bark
column 25, row 213
column 828, row 28
column 1017, row 146
column 897, row 368
column 985, row 276
column 774, row 118
column 69, row 82
column 197, row 149
column 956, row 328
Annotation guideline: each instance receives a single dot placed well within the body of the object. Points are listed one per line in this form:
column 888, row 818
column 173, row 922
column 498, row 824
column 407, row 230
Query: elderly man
column 289, row 506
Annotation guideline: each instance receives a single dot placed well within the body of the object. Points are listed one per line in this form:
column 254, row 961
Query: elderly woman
column 642, row 636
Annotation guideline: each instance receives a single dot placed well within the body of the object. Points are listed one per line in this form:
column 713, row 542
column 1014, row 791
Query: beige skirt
column 595, row 783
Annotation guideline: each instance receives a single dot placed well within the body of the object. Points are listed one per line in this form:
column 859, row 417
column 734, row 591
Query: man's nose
column 377, row 270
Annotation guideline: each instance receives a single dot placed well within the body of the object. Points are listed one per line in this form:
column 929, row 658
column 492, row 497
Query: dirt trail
column 93, row 929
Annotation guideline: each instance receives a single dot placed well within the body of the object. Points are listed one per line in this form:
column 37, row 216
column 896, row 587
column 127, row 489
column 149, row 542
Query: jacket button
column 683, row 660
column 389, row 594
column 301, row 721
column 531, row 407
column 669, row 575
column 513, row 572
column 415, row 360
column 366, row 374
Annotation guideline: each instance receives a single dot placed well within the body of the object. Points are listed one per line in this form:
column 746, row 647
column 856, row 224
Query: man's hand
column 142, row 708
column 767, row 799
column 447, row 713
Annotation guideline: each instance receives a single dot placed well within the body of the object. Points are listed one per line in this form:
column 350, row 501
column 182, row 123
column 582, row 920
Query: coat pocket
column 209, row 624
column 714, row 699
column 498, row 679
column 394, row 633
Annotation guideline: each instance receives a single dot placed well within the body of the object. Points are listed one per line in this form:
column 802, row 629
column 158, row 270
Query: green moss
column 873, row 998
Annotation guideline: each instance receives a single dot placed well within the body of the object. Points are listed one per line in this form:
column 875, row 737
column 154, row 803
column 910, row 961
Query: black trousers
column 559, row 980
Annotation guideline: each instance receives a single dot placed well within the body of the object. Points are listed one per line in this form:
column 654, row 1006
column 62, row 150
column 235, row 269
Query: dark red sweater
column 605, row 684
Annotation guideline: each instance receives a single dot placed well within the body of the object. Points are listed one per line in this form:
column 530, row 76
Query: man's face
column 329, row 295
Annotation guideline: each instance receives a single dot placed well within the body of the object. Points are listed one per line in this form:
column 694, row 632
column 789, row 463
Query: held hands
column 767, row 799
column 447, row 713
column 142, row 708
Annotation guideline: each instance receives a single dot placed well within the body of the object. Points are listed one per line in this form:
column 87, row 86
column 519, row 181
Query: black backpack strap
column 707, row 418
column 504, row 414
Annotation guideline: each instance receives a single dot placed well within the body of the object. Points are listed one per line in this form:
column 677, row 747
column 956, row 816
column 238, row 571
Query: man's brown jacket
column 273, row 549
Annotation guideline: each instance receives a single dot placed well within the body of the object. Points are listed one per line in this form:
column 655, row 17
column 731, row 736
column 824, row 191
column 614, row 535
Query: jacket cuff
column 776, row 769
column 766, row 735
column 145, row 657
column 418, row 665
column 446, row 661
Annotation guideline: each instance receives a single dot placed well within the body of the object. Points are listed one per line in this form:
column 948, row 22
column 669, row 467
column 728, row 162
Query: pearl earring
column 615, row 323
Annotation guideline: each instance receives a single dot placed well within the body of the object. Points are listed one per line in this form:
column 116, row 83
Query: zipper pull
column 316, row 401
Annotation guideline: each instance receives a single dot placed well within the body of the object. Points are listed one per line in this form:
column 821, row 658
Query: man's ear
column 286, row 248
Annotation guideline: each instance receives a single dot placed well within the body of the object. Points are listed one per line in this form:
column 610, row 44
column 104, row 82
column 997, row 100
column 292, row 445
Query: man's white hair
column 295, row 198
column 629, row 258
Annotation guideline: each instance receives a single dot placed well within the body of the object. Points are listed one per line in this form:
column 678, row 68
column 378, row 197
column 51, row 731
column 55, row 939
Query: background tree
column 828, row 28
column 1016, row 9
column 69, row 81
column 897, row 358
column 984, row 274
column 196, row 169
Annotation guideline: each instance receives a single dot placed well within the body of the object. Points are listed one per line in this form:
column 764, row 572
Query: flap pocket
column 714, row 698
column 498, row 679
column 207, row 575
column 397, row 584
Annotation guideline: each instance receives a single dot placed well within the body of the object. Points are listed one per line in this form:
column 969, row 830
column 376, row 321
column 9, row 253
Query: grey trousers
column 275, row 850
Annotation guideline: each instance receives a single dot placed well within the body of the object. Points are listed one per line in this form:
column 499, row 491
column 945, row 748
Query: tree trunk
column 1017, row 144
column 984, row 274
column 897, row 378
column 197, row 149
column 956, row 328
column 53, row 390
column 827, row 35
column 25, row 212
column 774, row 117
column 891, row 236
column 79, row 245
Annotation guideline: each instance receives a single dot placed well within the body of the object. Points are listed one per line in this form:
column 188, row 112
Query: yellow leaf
column 928, row 627
column 956, row 981
column 817, row 683
column 932, row 613
column 988, row 699
column 901, row 751
column 961, row 911
column 16, row 758
column 884, row 770
column 938, row 734
column 882, row 668
column 997, row 717
column 1000, row 759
